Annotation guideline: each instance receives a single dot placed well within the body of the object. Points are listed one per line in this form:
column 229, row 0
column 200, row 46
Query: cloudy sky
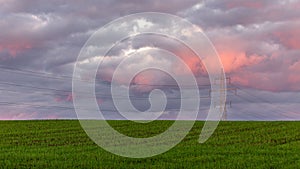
column 257, row 41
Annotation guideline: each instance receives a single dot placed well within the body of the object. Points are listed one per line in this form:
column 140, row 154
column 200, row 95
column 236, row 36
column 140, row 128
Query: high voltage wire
column 34, row 87
column 34, row 105
column 71, row 108
column 248, row 112
column 39, row 74
column 276, row 108
column 101, row 96
column 64, row 77
column 65, row 91
column 259, row 115
column 46, row 106
column 46, row 75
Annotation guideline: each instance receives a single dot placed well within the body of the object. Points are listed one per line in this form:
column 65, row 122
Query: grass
column 64, row 144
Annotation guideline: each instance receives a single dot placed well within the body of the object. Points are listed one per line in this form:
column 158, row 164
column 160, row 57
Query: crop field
column 64, row 144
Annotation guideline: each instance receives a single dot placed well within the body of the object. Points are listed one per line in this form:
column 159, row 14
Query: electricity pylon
column 222, row 89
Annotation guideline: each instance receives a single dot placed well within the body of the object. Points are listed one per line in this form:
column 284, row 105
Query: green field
column 64, row 144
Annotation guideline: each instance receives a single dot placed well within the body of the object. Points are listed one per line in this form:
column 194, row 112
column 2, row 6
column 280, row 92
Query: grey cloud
column 48, row 35
column 215, row 13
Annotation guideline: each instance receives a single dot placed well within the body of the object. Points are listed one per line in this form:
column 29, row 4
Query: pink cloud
column 14, row 115
column 295, row 67
column 100, row 101
column 232, row 52
column 52, row 116
column 68, row 98
column 146, row 79
column 261, row 58
column 25, row 116
column 193, row 62
column 234, row 60
column 289, row 36
column 15, row 48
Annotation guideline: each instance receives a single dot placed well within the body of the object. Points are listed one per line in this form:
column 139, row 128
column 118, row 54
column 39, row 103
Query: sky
column 257, row 42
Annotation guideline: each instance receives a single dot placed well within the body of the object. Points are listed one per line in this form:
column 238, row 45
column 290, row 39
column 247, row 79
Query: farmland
column 64, row 144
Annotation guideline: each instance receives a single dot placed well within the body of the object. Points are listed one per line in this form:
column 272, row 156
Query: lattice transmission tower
column 222, row 104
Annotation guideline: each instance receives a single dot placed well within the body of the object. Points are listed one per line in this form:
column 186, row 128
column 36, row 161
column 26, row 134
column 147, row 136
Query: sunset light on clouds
column 258, row 43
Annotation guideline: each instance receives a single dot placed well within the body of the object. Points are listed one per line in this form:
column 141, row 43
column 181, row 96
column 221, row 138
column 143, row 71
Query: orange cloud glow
column 233, row 60
column 191, row 60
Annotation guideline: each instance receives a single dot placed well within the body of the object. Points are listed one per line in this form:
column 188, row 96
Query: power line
column 65, row 77
column 61, row 92
column 71, row 108
column 102, row 96
column 34, row 73
column 276, row 108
